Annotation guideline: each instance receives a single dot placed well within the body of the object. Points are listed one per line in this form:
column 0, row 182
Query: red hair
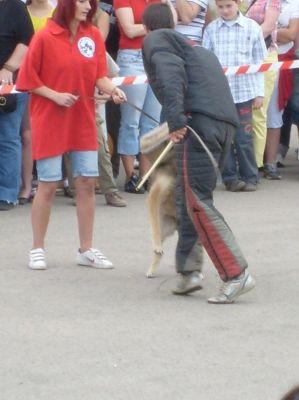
column 65, row 12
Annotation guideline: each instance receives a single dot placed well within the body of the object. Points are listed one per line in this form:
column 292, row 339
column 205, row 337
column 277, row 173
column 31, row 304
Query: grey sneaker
column 188, row 283
column 250, row 187
column 231, row 290
column 235, row 186
column 271, row 172
column 114, row 199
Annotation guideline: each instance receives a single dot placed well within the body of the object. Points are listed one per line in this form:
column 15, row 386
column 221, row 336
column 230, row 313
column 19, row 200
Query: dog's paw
column 158, row 251
column 150, row 274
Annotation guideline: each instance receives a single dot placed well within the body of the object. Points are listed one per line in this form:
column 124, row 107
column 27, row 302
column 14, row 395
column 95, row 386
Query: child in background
column 237, row 40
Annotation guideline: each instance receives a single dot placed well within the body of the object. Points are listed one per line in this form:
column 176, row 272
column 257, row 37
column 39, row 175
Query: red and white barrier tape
column 251, row 69
column 243, row 69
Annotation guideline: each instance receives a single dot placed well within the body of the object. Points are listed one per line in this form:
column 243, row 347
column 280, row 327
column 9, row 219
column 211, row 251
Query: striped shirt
column 235, row 43
column 194, row 30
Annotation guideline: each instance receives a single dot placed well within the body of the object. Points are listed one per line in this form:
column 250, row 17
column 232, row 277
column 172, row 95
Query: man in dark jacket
column 190, row 84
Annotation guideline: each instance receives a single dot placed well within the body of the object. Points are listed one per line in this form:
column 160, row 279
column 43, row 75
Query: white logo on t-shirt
column 86, row 47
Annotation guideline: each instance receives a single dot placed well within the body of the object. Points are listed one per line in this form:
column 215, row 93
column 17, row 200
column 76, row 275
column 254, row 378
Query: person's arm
column 270, row 20
column 289, row 34
column 187, row 10
column 206, row 40
column 125, row 17
column 172, row 9
column 13, row 63
column 209, row 17
column 105, row 85
column 61, row 99
column 29, row 79
column 259, row 53
column 103, row 24
column 171, row 80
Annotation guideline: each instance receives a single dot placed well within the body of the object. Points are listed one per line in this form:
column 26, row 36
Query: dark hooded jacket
column 186, row 79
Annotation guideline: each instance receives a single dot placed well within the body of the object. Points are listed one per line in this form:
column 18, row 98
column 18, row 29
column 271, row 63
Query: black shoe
column 130, row 186
column 24, row 200
column 280, row 164
column 67, row 192
column 6, row 205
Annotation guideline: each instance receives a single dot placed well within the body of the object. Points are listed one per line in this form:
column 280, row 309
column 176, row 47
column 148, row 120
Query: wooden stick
column 158, row 160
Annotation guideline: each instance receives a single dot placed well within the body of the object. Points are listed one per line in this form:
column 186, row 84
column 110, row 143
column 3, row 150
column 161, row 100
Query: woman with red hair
column 64, row 63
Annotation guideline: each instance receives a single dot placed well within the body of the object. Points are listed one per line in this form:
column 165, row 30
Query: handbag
column 8, row 103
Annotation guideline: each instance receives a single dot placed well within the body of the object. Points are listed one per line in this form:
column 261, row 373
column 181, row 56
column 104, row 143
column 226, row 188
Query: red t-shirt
column 53, row 61
column 138, row 7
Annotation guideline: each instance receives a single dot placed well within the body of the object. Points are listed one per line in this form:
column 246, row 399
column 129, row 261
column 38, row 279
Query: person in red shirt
column 132, row 123
column 64, row 63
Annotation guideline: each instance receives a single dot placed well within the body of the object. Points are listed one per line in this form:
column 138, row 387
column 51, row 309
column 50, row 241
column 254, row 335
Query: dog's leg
column 154, row 209
column 151, row 273
column 167, row 228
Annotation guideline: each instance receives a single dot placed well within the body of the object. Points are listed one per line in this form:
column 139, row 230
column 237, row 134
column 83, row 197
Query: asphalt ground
column 73, row 333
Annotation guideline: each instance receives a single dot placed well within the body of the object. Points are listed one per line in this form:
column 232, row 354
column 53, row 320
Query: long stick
column 150, row 171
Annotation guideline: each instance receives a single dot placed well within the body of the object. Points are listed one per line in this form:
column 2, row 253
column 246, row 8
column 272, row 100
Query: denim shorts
column 83, row 163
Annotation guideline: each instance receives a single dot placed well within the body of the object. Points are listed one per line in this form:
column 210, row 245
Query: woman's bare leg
column 85, row 200
column 41, row 210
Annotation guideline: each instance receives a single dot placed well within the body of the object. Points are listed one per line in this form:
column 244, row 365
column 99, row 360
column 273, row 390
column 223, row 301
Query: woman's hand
column 118, row 96
column 6, row 77
column 65, row 99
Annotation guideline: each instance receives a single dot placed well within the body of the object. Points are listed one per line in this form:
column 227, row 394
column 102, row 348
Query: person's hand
column 118, row 96
column 257, row 102
column 101, row 98
column 65, row 99
column 6, row 77
column 178, row 135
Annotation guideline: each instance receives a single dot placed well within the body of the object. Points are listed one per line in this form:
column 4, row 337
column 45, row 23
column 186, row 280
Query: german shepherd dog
column 161, row 205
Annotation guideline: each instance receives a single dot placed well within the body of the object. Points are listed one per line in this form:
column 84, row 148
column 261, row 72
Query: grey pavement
column 74, row 333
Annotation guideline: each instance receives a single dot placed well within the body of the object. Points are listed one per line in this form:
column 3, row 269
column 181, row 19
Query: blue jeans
column 10, row 151
column 240, row 162
column 133, row 124
column 84, row 163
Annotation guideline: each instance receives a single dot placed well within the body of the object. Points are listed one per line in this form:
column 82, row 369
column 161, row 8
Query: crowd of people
column 56, row 56
column 267, row 103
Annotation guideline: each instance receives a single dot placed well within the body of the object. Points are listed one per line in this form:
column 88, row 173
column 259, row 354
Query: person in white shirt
column 287, row 32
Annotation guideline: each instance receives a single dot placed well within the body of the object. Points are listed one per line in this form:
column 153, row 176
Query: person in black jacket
column 16, row 31
column 190, row 84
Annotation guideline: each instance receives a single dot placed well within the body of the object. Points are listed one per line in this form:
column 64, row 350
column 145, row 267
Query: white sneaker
column 37, row 259
column 93, row 258
column 231, row 290
column 188, row 283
